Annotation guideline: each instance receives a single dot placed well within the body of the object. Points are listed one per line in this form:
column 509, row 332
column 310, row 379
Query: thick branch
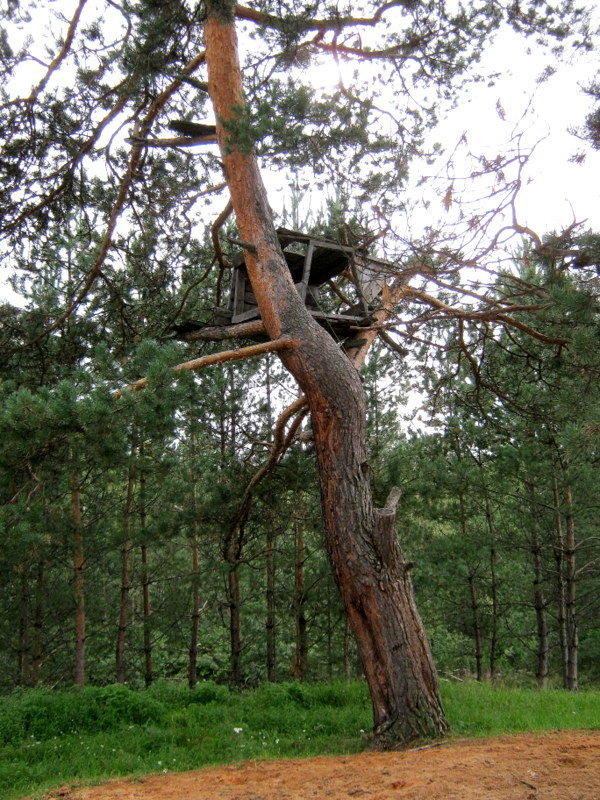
column 175, row 141
column 285, row 343
column 244, row 330
column 322, row 25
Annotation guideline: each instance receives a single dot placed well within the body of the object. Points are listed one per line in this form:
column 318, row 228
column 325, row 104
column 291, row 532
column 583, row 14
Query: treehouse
column 314, row 263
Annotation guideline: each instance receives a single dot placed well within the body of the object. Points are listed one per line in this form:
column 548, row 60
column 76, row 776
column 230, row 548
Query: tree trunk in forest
column 369, row 568
column 78, row 574
column 125, row 568
column 146, row 612
column 270, row 602
column 193, row 654
column 235, row 627
column 476, row 623
column 23, row 648
column 494, row 589
column 474, row 605
column 570, row 581
column 539, row 600
column 38, row 621
column 347, row 656
column 561, row 595
column 195, row 551
column 300, row 663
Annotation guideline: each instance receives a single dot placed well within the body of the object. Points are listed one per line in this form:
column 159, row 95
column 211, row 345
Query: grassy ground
column 50, row 738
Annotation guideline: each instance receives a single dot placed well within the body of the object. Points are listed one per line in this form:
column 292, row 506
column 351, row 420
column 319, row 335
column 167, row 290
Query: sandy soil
column 550, row 766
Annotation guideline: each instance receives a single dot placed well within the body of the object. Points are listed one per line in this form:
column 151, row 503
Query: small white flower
column 238, row 730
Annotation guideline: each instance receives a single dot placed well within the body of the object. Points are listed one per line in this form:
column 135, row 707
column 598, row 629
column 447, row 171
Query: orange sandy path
column 547, row 766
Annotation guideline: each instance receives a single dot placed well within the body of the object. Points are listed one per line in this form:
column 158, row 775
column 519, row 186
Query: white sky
column 560, row 191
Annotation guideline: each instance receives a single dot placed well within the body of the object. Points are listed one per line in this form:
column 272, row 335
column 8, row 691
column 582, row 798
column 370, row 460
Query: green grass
column 88, row 735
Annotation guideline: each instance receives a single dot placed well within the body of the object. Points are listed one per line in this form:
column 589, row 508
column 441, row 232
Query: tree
column 53, row 154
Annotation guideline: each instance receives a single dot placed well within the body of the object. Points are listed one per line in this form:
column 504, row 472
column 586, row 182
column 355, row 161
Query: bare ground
column 546, row 766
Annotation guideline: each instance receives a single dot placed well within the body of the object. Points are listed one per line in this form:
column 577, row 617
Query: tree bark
column 368, row 566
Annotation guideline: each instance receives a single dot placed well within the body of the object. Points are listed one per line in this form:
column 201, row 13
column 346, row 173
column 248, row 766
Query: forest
column 186, row 497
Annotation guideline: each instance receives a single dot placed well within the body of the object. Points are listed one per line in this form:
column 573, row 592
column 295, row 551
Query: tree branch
column 284, row 343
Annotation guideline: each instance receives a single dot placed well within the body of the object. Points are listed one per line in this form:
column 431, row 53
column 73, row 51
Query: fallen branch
column 285, row 343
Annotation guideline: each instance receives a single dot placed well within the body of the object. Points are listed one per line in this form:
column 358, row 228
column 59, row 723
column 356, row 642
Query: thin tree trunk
column 235, row 628
column 270, row 621
column 561, row 594
column 23, row 648
column 193, row 653
column 347, row 645
column 300, row 662
column 539, row 600
column 474, row 605
column 369, row 568
column 270, row 601
column 570, row 585
column 494, row 589
column 195, row 552
column 146, row 612
column 38, row 621
column 78, row 573
column 125, row 567
column 476, row 623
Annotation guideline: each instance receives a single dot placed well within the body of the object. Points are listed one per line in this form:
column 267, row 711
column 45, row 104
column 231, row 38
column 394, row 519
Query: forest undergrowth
column 49, row 738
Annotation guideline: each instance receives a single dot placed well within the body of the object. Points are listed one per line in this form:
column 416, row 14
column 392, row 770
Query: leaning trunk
column 371, row 573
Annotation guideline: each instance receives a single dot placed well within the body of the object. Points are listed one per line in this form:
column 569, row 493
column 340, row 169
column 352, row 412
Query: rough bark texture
column 369, row 570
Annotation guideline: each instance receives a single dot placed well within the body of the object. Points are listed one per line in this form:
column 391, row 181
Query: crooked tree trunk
column 369, row 568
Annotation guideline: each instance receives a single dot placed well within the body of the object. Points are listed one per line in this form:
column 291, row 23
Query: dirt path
column 550, row 766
